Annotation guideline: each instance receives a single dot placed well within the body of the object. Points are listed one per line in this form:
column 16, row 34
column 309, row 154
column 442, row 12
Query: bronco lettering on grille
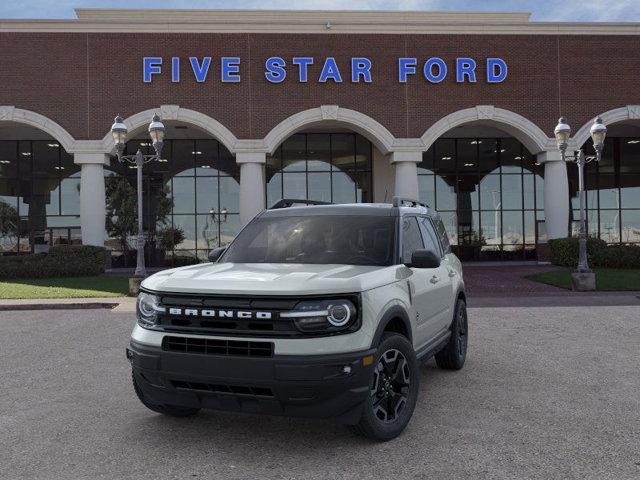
column 241, row 314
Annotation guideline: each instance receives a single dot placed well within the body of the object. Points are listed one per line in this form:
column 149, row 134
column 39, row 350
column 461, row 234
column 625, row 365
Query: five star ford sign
column 361, row 69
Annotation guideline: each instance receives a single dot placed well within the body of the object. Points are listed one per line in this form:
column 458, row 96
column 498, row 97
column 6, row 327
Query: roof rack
column 290, row 202
column 408, row 202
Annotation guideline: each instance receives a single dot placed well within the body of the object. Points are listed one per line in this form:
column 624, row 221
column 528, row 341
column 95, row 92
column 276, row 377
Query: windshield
column 321, row 239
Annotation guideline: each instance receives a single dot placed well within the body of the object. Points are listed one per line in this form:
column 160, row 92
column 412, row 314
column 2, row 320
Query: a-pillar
column 252, row 184
column 406, row 167
column 92, row 197
column 556, row 194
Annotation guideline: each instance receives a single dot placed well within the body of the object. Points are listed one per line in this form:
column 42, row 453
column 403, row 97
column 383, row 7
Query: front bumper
column 323, row 386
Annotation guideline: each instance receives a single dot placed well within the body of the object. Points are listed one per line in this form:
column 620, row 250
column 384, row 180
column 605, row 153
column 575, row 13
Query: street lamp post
column 598, row 133
column 156, row 132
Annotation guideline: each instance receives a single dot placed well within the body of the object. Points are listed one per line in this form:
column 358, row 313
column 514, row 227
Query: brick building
column 457, row 109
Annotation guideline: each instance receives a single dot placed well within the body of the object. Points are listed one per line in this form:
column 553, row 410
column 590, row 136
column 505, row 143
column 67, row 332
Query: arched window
column 489, row 193
column 330, row 167
column 39, row 194
column 612, row 188
column 191, row 202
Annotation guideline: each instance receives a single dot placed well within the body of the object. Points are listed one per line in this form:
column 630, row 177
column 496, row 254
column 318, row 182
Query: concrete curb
column 610, row 299
column 57, row 306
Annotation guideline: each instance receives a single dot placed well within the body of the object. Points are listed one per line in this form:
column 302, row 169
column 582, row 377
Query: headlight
column 323, row 316
column 147, row 309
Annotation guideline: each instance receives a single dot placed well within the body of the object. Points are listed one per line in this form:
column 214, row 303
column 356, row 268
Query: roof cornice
column 308, row 21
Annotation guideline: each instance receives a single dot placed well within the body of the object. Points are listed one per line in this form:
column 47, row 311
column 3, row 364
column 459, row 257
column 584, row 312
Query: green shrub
column 564, row 252
column 182, row 261
column 61, row 261
column 620, row 256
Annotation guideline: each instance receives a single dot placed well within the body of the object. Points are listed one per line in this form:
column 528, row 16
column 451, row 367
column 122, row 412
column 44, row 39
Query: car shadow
column 249, row 432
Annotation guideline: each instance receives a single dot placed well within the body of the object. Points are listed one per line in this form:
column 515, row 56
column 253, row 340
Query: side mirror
column 216, row 253
column 424, row 259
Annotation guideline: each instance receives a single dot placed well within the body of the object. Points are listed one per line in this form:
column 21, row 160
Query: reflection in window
column 612, row 192
column 490, row 195
column 328, row 167
column 191, row 202
column 39, row 196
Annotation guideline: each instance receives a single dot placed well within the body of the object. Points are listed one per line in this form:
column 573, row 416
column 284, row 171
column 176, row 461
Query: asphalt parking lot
column 549, row 392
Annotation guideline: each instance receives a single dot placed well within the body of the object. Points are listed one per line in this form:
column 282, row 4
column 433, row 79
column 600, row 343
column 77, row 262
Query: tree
column 122, row 210
column 9, row 222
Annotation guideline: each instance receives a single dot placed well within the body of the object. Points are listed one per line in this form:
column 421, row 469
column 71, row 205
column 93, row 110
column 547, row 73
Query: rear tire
column 169, row 410
column 453, row 355
column 393, row 390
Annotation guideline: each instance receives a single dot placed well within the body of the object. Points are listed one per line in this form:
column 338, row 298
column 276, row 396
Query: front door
column 425, row 284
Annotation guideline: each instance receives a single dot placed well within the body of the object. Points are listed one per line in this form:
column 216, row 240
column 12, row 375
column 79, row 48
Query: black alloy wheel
column 393, row 390
column 391, row 382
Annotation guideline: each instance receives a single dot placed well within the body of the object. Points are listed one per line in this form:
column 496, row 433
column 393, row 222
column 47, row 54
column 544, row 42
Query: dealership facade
column 456, row 109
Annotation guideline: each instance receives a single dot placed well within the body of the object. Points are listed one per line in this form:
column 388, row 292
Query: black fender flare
column 460, row 295
column 395, row 311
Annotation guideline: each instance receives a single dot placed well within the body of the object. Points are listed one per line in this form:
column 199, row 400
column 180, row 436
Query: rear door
column 424, row 289
column 443, row 284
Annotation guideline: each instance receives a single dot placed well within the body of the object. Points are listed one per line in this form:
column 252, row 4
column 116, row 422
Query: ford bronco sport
column 312, row 310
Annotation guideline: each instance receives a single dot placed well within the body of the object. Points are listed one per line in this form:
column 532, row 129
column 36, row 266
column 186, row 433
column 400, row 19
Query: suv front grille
column 229, row 389
column 227, row 316
column 208, row 346
column 232, row 316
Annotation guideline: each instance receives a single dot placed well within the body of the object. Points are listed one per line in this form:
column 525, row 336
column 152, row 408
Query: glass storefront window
column 512, row 192
column 497, row 200
column 612, row 191
column 328, row 167
column 630, row 223
column 190, row 197
column 39, row 195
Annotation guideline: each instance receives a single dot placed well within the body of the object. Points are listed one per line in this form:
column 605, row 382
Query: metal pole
column 140, row 268
column 583, row 265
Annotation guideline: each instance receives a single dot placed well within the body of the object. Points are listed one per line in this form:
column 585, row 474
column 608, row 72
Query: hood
column 271, row 279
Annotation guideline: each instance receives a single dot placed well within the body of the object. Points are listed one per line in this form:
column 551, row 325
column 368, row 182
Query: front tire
column 393, row 390
column 454, row 354
column 169, row 410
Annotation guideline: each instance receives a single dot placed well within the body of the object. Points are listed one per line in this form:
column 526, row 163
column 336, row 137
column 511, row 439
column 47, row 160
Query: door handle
column 434, row 279
column 452, row 273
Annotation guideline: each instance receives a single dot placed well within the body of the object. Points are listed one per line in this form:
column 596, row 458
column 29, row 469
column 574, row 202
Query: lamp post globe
column 156, row 132
column 119, row 132
column 598, row 134
column 562, row 133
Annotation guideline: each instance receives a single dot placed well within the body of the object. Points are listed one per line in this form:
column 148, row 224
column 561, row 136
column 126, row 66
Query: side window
column 411, row 238
column 430, row 238
column 442, row 234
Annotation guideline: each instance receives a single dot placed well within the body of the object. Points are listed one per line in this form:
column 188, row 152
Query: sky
column 542, row 10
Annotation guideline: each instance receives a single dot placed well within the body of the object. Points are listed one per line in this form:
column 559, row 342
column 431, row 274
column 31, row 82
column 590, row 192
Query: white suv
column 313, row 310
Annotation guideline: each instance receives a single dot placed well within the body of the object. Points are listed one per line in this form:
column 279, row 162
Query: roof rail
column 290, row 202
column 408, row 202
